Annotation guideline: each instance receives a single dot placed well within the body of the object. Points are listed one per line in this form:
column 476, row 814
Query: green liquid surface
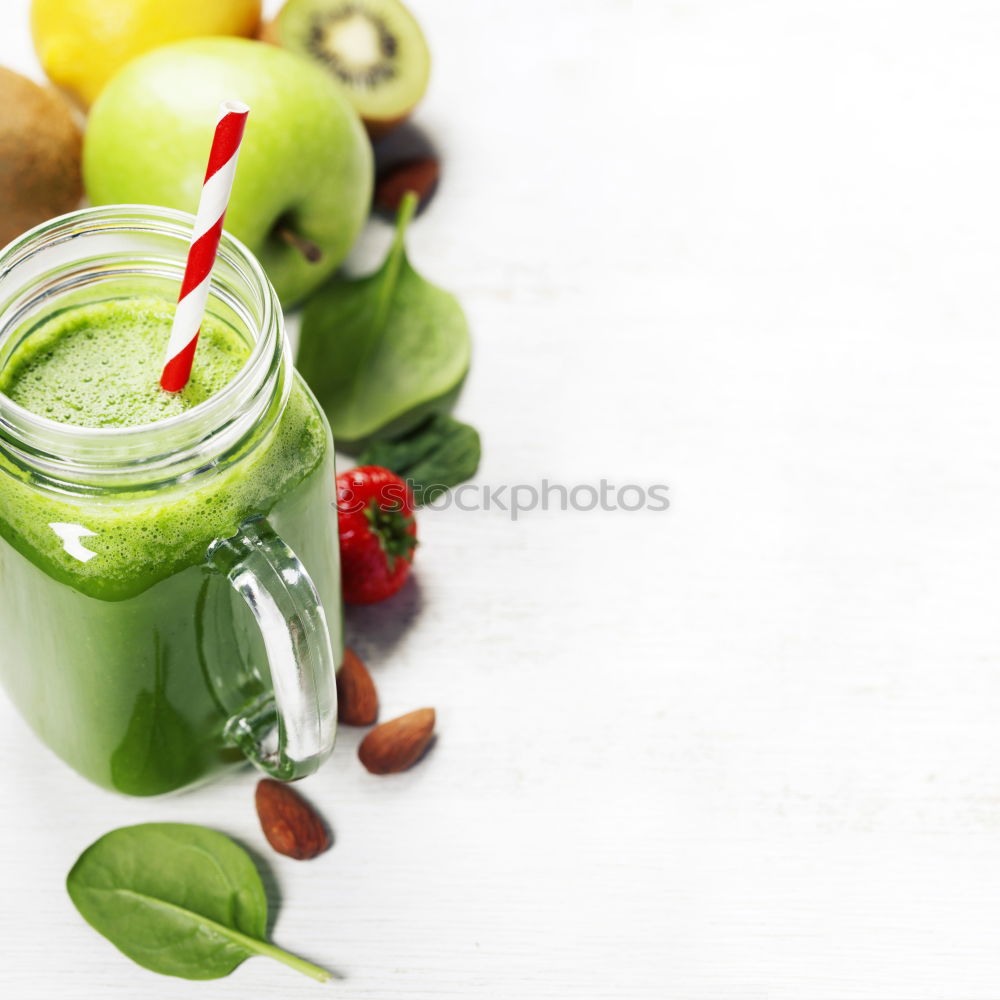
column 99, row 365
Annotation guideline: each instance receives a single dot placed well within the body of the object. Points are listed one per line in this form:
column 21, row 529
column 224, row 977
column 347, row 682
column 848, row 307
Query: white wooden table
column 746, row 748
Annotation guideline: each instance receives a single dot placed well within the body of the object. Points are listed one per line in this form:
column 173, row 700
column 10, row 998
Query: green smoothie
column 123, row 649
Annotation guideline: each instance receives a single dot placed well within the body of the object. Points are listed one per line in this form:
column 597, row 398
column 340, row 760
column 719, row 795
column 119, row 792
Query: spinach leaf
column 159, row 751
column 440, row 453
column 181, row 900
column 383, row 352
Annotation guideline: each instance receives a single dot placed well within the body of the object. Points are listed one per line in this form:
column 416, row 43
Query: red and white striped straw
column 204, row 245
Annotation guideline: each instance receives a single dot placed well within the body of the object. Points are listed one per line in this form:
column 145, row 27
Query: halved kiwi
column 374, row 48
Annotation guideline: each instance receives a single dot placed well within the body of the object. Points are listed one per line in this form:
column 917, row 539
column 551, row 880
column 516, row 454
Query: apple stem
column 307, row 248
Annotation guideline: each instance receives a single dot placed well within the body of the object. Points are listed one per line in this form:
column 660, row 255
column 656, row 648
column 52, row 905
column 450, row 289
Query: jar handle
column 289, row 731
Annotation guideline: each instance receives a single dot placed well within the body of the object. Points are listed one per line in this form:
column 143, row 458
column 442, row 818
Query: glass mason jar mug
column 169, row 592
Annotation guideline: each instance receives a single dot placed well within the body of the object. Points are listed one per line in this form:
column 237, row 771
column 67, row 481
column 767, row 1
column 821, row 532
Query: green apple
column 303, row 185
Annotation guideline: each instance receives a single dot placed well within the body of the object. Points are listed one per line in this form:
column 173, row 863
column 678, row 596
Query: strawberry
column 378, row 533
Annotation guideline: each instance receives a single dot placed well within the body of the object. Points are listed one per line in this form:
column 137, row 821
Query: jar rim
column 77, row 449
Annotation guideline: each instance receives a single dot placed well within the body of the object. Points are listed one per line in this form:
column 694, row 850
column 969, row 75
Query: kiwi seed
column 366, row 72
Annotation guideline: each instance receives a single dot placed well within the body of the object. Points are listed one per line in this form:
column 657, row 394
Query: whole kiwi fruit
column 40, row 146
column 373, row 48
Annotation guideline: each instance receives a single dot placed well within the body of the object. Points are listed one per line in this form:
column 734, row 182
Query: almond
column 396, row 745
column 291, row 825
column 357, row 701
column 419, row 176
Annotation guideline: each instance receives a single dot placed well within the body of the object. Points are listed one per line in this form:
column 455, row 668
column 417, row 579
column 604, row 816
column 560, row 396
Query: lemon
column 82, row 43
